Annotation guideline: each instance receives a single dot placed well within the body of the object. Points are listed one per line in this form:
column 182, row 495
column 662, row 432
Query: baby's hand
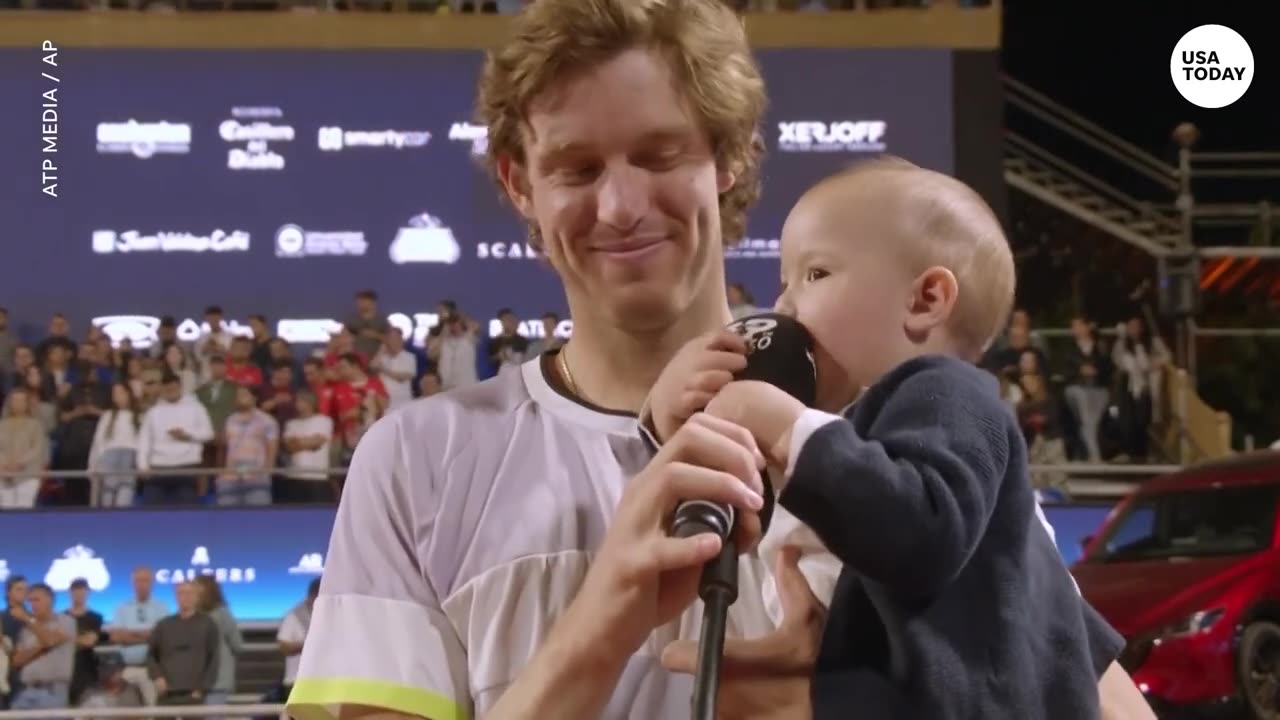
column 693, row 377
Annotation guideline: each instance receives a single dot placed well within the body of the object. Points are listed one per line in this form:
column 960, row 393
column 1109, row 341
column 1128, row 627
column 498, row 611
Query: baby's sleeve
column 820, row 568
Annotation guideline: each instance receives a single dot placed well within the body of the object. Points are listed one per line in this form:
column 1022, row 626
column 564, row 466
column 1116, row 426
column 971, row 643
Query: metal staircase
column 1135, row 206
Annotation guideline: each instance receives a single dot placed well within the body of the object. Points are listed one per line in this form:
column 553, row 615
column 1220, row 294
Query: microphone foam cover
column 779, row 352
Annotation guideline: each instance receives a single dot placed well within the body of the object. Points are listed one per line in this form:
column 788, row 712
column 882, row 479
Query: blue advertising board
column 264, row 558
column 279, row 182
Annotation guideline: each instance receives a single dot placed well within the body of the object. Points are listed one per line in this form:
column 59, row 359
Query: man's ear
column 725, row 180
column 515, row 180
column 933, row 299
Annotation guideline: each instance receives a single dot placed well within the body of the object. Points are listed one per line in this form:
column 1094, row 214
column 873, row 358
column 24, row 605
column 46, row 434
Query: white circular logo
column 289, row 241
column 1212, row 66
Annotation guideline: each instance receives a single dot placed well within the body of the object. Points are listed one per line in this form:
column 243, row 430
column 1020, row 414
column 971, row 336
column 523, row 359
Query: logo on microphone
column 757, row 331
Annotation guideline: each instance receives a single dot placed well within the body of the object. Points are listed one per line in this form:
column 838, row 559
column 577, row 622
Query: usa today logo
column 1212, row 66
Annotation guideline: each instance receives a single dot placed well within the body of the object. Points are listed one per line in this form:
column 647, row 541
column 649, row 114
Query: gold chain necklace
column 569, row 383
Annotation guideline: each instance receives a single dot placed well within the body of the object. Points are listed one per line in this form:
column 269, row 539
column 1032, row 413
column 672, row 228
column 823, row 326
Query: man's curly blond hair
column 703, row 41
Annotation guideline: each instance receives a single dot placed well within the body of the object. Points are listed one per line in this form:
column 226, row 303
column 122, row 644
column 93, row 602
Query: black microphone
column 779, row 352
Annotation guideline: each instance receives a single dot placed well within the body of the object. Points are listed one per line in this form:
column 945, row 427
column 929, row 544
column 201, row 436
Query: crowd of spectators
column 278, row 422
column 146, row 655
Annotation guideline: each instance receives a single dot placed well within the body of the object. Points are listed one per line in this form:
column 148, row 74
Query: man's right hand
column 642, row 578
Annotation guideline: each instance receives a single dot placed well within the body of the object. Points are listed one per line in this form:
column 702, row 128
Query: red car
column 1187, row 568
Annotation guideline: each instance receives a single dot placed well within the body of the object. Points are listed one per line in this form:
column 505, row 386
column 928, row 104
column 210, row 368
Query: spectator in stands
column 182, row 654
column 114, row 452
column 131, row 627
column 112, row 690
column 260, row 343
column 57, row 368
column 218, row 394
column 231, row 643
column 58, row 337
column 167, row 336
column 1038, row 416
column 1141, row 361
column 171, row 443
column 281, row 352
column 44, row 655
column 396, row 367
column 24, row 451
column 12, row 620
column 293, row 633
column 134, row 368
column 240, row 368
column 86, row 368
column 313, row 379
column 88, row 635
column 455, row 351
column 507, row 349
column 215, row 342
column 342, row 342
column 549, row 340
column 8, row 343
column 429, row 384
column 307, row 439
column 179, row 362
column 78, row 421
column 37, row 385
column 1017, row 342
column 252, row 441
column 23, row 357
column 359, row 399
column 1086, row 369
column 278, row 396
column 368, row 327
column 6, row 651
column 741, row 304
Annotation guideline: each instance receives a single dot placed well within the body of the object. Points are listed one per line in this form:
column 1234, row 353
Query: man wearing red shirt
column 342, row 343
column 358, row 400
column 313, row 378
column 240, row 368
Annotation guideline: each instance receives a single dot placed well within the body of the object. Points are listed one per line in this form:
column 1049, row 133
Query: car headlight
column 1194, row 623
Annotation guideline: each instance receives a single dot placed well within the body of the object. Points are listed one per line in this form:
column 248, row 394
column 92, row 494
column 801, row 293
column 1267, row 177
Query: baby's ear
column 933, row 299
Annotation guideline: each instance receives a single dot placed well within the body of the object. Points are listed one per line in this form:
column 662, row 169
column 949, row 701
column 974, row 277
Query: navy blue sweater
column 954, row 601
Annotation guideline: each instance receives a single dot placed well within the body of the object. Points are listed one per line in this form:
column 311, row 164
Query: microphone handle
column 718, row 590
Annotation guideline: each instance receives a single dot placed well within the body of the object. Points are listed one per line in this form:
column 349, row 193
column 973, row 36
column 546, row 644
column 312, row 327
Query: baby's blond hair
column 949, row 225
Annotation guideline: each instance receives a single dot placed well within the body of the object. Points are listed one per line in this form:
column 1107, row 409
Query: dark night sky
column 1109, row 61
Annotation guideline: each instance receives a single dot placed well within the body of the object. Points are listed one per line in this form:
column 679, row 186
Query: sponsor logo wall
column 281, row 182
column 262, row 579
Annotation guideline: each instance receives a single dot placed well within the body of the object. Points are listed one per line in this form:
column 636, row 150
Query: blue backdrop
column 279, row 165
column 264, row 558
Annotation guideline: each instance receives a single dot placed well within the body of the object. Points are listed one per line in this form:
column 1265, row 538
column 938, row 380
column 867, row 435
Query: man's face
column 281, row 377
column 625, row 192
column 366, row 307
column 17, row 594
column 244, row 399
column 23, row 358
column 313, row 374
column 80, row 596
column 215, row 321
column 167, row 333
column 259, row 328
column 218, row 370
column 509, row 323
column 395, row 340
column 58, row 326
column 185, row 593
column 345, row 342
column 58, row 355
column 41, row 604
column 171, row 391
column 241, row 349
column 347, row 370
column 142, row 583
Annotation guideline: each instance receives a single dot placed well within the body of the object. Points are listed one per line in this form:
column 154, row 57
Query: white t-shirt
column 399, row 392
column 315, row 460
column 457, row 363
column 291, row 631
column 465, row 529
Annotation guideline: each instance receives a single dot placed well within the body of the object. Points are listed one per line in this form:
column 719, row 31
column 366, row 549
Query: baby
column 951, row 599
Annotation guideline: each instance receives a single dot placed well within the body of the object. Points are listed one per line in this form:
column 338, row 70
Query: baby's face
column 843, row 279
